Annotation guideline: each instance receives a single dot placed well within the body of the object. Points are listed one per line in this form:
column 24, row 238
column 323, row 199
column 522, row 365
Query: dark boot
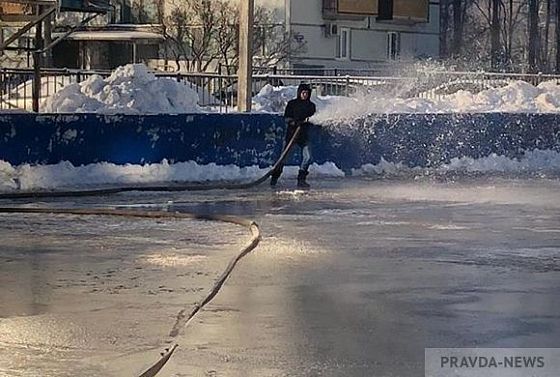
column 275, row 175
column 301, row 179
column 274, row 178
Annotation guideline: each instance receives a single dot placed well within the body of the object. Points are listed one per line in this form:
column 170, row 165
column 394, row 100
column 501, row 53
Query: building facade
column 128, row 32
column 361, row 34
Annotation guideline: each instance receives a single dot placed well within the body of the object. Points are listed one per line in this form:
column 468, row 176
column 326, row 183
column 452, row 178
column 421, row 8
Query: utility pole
column 244, row 75
column 36, row 88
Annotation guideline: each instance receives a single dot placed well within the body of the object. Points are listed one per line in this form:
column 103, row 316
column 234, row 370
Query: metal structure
column 86, row 6
column 33, row 12
column 38, row 14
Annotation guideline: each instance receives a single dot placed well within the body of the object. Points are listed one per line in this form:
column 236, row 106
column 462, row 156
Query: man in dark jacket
column 297, row 113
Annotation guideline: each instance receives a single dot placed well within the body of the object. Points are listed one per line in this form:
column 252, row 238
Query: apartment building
column 358, row 34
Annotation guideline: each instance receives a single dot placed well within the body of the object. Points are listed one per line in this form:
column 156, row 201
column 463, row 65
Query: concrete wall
column 256, row 139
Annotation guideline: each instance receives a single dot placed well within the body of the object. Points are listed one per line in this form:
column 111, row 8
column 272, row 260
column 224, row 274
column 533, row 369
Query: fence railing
column 219, row 92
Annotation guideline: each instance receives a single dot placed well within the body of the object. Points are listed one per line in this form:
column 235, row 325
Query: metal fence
column 219, row 92
column 16, row 85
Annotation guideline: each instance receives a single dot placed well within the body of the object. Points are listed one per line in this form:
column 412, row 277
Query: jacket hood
column 304, row 87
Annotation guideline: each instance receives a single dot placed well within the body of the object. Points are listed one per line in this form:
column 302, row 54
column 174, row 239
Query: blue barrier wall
column 256, row 139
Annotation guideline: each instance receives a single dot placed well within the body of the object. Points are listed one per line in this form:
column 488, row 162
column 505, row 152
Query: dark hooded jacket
column 296, row 113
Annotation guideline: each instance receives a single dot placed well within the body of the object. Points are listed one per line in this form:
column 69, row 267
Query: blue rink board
column 424, row 140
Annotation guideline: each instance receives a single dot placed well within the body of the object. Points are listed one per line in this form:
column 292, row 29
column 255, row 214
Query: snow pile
column 537, row 161
column 64, row 174
column 7, row 175
column 273, row 99
column 382, row 168
column 517, row 96
column 131, row 89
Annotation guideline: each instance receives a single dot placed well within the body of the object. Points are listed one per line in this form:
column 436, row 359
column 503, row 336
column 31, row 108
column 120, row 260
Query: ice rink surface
column 352, row 278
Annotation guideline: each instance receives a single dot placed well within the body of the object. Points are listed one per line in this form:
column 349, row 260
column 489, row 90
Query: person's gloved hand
column 291, row 122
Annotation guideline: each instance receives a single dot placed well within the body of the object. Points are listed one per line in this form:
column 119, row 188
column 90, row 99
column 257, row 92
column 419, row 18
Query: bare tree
column 444, row 26
column 533, row 33
column 545, row 50
column 458, row 21
column 227, row 37
column 496, row 48
column 501, row 34
column 175, row 36
column 557, row 36
column 205, row 35
column 160, row 9
column 272, row 44
column 198, row 33
column 202, row 35
column 190, row 29
column 140, row 12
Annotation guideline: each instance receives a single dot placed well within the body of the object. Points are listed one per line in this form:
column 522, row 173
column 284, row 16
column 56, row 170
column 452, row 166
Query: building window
column 393, row 45
column 343, row 45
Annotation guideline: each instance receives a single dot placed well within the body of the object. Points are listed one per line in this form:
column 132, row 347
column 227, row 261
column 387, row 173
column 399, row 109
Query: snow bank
column 131, row 89
column 64, row 174
column 273, row 99
column 537, row 161
column 534, row 161
column 517, row 96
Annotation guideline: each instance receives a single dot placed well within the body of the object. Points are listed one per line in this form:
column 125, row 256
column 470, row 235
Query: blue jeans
column 305, row 159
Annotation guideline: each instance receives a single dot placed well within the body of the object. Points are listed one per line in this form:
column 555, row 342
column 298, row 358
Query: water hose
column 183, row 317
column 172, row 187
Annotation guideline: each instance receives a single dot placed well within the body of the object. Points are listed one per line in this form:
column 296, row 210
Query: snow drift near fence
column 131, row 89
column 516, row 97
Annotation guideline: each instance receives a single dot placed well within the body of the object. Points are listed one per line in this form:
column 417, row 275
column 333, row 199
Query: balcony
column 349, row 9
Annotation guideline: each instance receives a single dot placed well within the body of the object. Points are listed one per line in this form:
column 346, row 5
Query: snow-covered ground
column 64, row 174
column 536, row 161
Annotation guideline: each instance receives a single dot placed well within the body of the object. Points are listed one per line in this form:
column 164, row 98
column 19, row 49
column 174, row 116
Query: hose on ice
column 184, row 316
